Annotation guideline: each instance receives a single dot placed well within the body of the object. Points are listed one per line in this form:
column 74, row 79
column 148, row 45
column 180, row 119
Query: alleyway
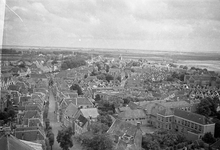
column 53, row 121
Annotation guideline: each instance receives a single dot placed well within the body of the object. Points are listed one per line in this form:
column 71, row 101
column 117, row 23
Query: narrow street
column 53, row 120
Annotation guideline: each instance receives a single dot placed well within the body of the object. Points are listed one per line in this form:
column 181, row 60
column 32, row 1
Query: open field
column 210, row 65
column 209, row 60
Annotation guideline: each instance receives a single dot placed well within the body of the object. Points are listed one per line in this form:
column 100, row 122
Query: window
column 196, row 126
column 182, row 122
column 192, row 125
column 200, row 128
column 166, row 119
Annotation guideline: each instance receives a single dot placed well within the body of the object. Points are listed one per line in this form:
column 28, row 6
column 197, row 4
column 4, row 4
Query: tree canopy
column 208, row 107
column 208, row 138
column 105, row 119
column 77, row 88
column 98, row 141
column 64, row 138
column 73, row 63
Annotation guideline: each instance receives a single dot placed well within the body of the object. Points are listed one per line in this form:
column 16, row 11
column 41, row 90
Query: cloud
column 118, row 23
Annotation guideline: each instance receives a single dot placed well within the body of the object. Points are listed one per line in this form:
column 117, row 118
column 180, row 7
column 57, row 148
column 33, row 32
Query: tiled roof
column 34, row 122
column 30, row 135
column 216, row 145
column 38, row 76
column 79, row 101
column 41, row 90
column 120, row 127
column 71, row 110
column 192, row 116
column 9, row 142
column 174, row 104
column 130, row 114
column 87, row 112
column 166, row 112
column 13, row 87
column 32, row 114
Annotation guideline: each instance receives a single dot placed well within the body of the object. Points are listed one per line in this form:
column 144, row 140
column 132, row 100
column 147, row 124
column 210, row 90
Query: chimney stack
column 138, row 125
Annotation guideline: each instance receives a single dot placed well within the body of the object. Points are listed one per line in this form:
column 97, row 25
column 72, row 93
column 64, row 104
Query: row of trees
column 209, row 107
column 73, row 63
column 162, row 139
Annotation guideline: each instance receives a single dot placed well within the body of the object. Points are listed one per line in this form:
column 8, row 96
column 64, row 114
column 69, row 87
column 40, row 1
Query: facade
column 194, row 126
column 80, row 125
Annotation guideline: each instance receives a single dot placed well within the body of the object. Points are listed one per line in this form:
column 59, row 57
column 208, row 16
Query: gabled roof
column 39, row 76
column 9, row 142
column 166, row 112
column 87, row 112
column 79, row 101
column 192, row 117
column 119, row 129
column 216, row 145
column 71, row 110
column 41, row 90
column 13, row 87
column 32, row 114
column 34, row 122
column 130, row 114
column 82, row 119
column 30, row 135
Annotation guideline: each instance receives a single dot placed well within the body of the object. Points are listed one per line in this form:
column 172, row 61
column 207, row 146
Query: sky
column 175, row 25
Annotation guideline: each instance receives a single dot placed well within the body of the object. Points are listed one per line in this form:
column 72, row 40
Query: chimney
column 22, row 136
column 139, row 125
column 37, row 136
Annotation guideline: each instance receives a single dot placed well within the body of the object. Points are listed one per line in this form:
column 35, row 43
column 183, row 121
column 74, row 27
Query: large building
column 193, row 125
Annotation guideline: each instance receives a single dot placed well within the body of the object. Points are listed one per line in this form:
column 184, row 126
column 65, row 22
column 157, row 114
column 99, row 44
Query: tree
column 107, row 68
column 47, row 123
column 208, row 138
column 51, row 139
column 109, row 77
column 98, row 141
column 101, row 77
column 106, row 107
column 97, row 98
column 77, row 88
column 208, row 106
column 64, row 138
column 105, row 119
column 4, row 116
column 98, row 127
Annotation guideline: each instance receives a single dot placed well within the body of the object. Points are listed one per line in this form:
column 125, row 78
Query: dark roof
column 216, row 145
column 9, row 142
column 120, row 127
column 192, row 117
column 13, row 87
column 30, row 135
column 82, row 119
column 38, row 76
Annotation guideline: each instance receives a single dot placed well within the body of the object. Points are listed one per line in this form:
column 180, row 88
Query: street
column 53, row 120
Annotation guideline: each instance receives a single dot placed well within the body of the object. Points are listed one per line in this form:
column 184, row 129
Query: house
column 193, row 125
column 153, row 107
column 88, row 113
column 133, row 116
column 216, row 145
column 28, row 115
column 9, row 142
column 69, row 114
column 80, row 125
column 34, row 134
column 126, row 136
